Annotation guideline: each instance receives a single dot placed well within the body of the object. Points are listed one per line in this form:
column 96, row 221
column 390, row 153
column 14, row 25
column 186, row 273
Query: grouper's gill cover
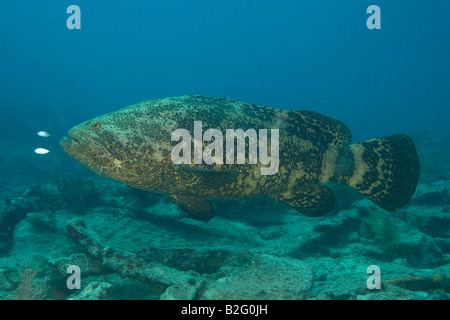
column 133, row 145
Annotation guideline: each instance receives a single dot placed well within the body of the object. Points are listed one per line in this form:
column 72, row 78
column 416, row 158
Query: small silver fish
column 41, row 151
column 43, row 134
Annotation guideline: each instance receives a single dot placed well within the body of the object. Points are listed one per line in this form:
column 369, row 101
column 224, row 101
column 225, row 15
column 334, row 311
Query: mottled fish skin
column 133, row 145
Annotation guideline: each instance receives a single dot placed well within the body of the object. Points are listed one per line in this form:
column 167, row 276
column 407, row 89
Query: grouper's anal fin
column 313, row 201
column 196, row 208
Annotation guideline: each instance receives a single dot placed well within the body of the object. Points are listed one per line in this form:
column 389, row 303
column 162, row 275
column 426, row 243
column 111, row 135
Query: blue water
column 315, row 55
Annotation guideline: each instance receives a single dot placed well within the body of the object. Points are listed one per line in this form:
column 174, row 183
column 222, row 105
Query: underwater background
column 312, row 55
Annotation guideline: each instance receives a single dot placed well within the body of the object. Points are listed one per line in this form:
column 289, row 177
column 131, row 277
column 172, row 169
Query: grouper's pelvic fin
column 385, row 170
column 196, row 208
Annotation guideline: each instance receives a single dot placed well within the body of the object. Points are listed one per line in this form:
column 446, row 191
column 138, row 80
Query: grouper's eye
column 96, row 126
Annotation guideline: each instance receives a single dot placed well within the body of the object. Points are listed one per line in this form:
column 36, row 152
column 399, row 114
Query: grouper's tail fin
column 385, row 170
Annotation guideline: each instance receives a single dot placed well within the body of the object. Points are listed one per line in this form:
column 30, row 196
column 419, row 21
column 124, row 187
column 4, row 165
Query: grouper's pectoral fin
column 313, row 201
column 196, row 208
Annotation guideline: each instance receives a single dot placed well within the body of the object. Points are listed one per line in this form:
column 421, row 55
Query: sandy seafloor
column 131, row 244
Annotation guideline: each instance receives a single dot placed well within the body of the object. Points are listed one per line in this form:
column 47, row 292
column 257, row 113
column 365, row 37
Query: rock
column 437, row 225
column 436, row 193
column 7, row 285
column 201, row 260
column 420, row 250
column 182, row 291
column 94, row 291
column 12, row 211
column 127, row 264
column 443, row 244
column 340, row 279
column 266, row 277
column 390, row 292
column 87, row 265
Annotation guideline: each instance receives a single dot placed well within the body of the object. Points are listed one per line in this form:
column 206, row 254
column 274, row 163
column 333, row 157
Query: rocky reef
column 131, row 244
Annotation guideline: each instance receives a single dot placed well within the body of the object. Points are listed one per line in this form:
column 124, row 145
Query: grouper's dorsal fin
column 313, row 126
column 199, row 177
column 313, row 201
column 196, row 208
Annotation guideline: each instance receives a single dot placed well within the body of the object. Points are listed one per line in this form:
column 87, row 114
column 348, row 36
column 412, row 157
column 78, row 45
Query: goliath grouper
column 134, row 146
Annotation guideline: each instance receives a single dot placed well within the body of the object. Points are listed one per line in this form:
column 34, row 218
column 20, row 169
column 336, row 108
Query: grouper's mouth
column 72, row 147
column 73, row 144
column 85, row 150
